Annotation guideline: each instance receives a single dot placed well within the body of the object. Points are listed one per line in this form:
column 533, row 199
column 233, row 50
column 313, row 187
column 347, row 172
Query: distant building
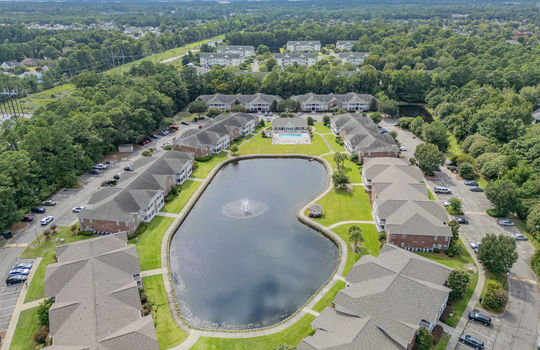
column 536, row 116
column 345, row 45
column 360, row 135
column 126, row 148
column 303, row 46
column 217, row 136
column 139, row 194
column 221, row 59
column 9, row 64
column 356, row 58
column 253, row 103
column 244, row 51
column 294, row 125
column 30, row 62
column 95, row 284
column 387, row 300
column 350, row 102
column 302, row 59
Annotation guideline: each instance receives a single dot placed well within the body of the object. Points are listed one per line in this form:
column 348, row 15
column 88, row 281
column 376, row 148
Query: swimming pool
column 290, row 136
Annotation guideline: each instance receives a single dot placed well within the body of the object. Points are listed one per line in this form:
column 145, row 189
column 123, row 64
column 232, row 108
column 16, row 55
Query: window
column 393, row 235
column 434, row 238
column 403, row 236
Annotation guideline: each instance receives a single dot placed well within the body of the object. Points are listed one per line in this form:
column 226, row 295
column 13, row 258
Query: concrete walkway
column 352, row 222
column 446, row 328
column 21, row 306
column 195, row 179
column 327, row 144
column 154, row 272
column 170, row 215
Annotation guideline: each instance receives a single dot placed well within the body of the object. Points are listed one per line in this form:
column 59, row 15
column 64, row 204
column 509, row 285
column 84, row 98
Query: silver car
column 506, row 222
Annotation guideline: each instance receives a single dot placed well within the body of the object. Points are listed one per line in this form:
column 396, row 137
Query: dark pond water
column 241, row 264
column 415, row 111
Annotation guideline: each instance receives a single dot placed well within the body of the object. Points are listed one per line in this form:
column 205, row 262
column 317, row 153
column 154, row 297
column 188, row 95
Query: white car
column 78, row 209
column 519, row 237
column 475, row 245
column 446, row 203
column 46, row 220
column 506, row 222
column 100, row 166
column 402, row 148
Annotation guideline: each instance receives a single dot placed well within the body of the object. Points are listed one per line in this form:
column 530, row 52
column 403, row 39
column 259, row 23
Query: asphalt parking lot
column 487, row 334
column 8, row 299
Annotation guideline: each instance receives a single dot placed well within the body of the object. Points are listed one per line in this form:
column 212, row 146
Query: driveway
column 520, row 323
column 66, row 199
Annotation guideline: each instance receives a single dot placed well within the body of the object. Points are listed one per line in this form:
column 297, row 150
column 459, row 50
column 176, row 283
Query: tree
column 455, row 206
column 389, row 107
column 497, row 253
column 238, row 108
column 424, row 340
column 340, row 179
column 326, row 120
column 43, row 311
column 198, row 106
column 234, row 149
column 355, row 236
column 454, row 226
column 376, row 117
column 466, row 170
column 288, row 106
column 373, row 104
column 309, row 121
column 429, row 158
column 340, row 158
column 213, row 112
column 458, row 281
column 533, row 219
column 262, row 49
column 495, row 297
column 436, row 133
column 502, row 195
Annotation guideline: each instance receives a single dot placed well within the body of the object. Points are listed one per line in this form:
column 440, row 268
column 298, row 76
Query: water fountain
column 244, row 208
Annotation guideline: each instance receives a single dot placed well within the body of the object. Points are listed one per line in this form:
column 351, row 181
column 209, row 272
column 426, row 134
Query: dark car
column 7, row 234
column 28, row 218
column 184, row 123
column 117, row 176
column 471, row 341
column 38, row 210
column 16, row 279
column 383, row 131
column 478, row 317
column 94, row 172
column 477, row 189
column 174, row 127
column 154, row 136
column 471, row 183
column 49, row 203
column 128, row 168
column 112, row 182
column 463, row 221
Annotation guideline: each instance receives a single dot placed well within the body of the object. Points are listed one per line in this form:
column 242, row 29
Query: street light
column 37, row 236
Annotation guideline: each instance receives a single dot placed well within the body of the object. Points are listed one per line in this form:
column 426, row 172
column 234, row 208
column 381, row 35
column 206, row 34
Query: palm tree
column 339, row 158
column 355, row 236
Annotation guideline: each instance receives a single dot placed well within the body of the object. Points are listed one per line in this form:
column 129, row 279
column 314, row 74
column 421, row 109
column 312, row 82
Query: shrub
column 43, row 312
column 86, row 233
column 326, row 120
column 436, row 250
column 142, row 227
column 74, row 227
column 144, row 298
column 204, row 159
column 382, row 236
column 424, row 340
column 466, row 171
column 309, row 120
column 339, row 141
column 458, row 281
column 495, row 297
column 234, row 149
column 437, row 333
column 40, row 337
column 146, row 153
column 376, row 117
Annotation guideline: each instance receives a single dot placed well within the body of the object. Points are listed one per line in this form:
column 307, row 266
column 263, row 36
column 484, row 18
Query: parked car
column 471, row 183
column 7, row 234
column 18, row 271
column 46, row 220
column 164, row 133
column 78, row 209
column 200, row 126
column 452, row 168
column 478, row 317
column 449, row 162
column 23, row 266
column 476, row 189
column 49, row 203
column 38, row 210
column 395, row 124
column 117, row 176
column 475, row 246
column 402, row 148
column 506, row 222
column 446, row 203
column 462, row 221
column 174, row 127
column 112, row 182
column 154, row 136
column 184, row 123
column 94, row 172
column 443, row 190
column 100, row 166
column 16, row 279
column 471, row 341
column 383, row 131
column 519, row 237
column 28, row 218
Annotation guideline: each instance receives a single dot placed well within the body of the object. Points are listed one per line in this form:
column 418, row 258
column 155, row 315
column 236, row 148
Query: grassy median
column 350, row 169
column 204, row 168
column 342, row 205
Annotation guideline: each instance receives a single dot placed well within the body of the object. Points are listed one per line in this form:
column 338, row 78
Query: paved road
column 66, row 199
column 520, row 324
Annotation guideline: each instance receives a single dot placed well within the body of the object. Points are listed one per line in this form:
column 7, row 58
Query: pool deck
column 291, row 139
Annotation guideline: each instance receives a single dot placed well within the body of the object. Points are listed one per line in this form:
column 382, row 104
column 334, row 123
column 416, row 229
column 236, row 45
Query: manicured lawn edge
column 175, row 206
column 341, row 205
column 168, row 332
column 328, row 298
column 36, row 288
column 149, row 243
column 28, row 324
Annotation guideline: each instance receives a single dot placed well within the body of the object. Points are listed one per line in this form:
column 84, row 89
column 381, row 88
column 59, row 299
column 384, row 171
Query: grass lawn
column 441, row 345
column 27, row 325
column 329, row 296
column 261, row 145
column 292, row 335
column 149, row 243
column 341, row 205
column 457, row 263
column 168, row 332
column 321, row 129
column 36, row 289
column 350, row 168
column 454, row 147
column 33, row 101
column 205, row 167
column 430, row 195
column 336, row 147
column 176, row 205
column 34, row 249
column 369, row 246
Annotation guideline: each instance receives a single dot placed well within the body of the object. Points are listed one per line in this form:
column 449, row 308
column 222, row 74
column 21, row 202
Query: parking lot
column 487, row 334
column 8, row 299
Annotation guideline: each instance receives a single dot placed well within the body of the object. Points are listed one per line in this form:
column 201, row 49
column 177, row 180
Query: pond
column 241, row 259
column 415, row 110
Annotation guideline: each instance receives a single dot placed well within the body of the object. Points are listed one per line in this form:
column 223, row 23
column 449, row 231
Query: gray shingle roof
column 283, row 122
column 135, row 189
column 388, row 297
column 391, row 170
column 350, row 97
column 294, row 55
column 244, row 99
column 362, row 133
column 343, row 55
column 97, row 304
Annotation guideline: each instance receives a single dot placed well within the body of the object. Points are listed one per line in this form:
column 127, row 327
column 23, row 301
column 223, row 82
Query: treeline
column 66, row 137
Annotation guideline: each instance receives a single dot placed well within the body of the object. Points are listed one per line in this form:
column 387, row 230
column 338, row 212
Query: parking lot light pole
column 37, row 236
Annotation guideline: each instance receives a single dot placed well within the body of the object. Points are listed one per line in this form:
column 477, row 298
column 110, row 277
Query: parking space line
column 2, row 301
column 482, row 335
column 7, row 307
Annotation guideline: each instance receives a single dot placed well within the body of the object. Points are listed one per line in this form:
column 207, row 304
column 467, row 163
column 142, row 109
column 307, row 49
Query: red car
column 174, row 127
column 27, row 218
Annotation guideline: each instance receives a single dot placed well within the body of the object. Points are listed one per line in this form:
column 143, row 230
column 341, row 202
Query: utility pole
column 37, row 236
